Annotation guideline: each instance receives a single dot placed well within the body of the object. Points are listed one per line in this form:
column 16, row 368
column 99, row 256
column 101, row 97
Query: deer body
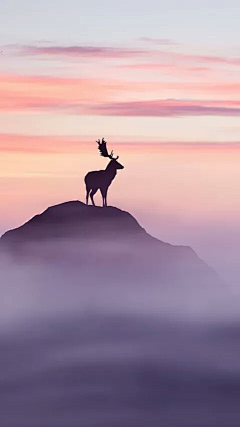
column 101, row 180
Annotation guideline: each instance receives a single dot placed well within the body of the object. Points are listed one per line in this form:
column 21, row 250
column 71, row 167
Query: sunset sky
column 160, row 81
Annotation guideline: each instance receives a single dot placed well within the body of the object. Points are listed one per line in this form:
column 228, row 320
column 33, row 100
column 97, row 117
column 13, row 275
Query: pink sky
column 170, row 111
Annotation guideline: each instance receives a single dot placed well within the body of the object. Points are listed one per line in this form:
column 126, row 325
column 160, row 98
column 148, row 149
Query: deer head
column 102, row 147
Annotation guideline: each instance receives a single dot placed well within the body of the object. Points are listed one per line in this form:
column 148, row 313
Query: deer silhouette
column 100, row 180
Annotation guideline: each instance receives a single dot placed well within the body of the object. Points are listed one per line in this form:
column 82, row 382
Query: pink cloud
column 160, row 66
column 26, row 92
column 118, row 52
column 22, row 143
column 111, row 97
column 180, row 56
column 170, row 69
column 43, row 143
column 168, row 108
column 94, row 88
column 80, row 51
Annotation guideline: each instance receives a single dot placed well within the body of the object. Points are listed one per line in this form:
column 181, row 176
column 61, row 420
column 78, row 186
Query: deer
column 101, row 179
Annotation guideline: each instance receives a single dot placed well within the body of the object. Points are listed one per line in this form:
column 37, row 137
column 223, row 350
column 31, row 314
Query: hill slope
column 99, row 240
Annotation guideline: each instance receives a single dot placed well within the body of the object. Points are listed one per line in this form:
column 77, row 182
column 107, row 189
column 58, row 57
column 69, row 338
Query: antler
column 102, row 146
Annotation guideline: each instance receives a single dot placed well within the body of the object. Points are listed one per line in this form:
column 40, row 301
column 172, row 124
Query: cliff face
column 100, row 241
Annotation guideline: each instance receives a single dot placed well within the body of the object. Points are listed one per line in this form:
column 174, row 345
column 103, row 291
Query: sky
column 160, row 81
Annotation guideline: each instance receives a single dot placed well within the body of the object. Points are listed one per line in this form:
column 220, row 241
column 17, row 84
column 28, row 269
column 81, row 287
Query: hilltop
column 97, row 239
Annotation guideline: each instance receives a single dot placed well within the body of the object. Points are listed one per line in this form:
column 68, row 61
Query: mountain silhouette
column 107, row 243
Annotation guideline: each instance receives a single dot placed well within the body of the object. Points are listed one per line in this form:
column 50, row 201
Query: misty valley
column 103, row 325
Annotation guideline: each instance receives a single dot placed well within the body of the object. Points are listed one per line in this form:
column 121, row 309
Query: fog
column 84, row 347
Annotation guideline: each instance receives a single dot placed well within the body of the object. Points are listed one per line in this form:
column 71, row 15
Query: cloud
column 79, row 51
column 168, row 69
column 38, row 92
column 111, row 97
column 158, row 108
column 185, row 57
column 168, row 108
column 43, row 143
column 39, row 144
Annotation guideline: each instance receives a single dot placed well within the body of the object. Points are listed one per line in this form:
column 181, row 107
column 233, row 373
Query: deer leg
column 87, row 195
column 104, row 196
column 92, row 194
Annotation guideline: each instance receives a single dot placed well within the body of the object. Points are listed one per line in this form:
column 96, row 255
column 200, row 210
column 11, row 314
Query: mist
column 82, row 346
